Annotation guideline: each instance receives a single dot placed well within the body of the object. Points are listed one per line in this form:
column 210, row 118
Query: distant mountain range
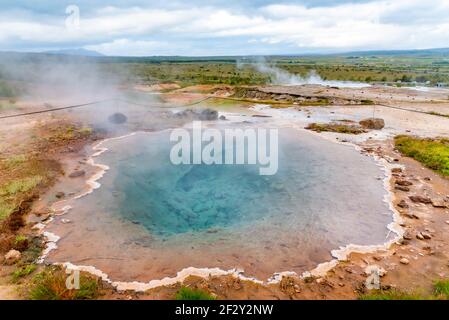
column 87, row 54
column 76, row 52
column 412, row 52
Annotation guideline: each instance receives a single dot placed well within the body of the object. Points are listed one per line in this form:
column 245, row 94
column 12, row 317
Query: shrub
column 50, row 284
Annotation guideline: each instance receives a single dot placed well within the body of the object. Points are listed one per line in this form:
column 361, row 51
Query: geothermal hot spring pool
column 151, row 219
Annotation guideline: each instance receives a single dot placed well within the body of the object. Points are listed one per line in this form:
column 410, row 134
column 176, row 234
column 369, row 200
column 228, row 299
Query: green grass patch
column 391, row 295
column 5, row 209
column 20, row 238
column 50, row 284
column 23, row 272
column 186, row 293
column 441, row 288
column 20, row 185
column 440, row 292
column 433, row 153
column 14, row 161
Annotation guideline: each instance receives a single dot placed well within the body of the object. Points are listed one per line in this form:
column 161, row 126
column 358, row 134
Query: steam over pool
column 155, row 218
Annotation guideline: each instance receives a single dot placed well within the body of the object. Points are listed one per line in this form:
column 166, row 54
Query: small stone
column 438, row 203
column 426, row 235
column 60, row 195
column 410, row 215
column 12, row 257
column 404, row 183
column 402, row 188
column 407, row 236
column 403, row 204
column 421, row 199
column 447, row 222
column 77, row 173
column 396, row 170
column 419, row 236
column 65, row 221
column 404, row 261
column 222, row 117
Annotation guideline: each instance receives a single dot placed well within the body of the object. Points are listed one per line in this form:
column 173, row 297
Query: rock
column 402, row 188
column 297, row 288
column 117, row 118
column 222, row 117
column 65, row 221
column 60, row 195
column 204, row 114
column 426, row 235
column 404, row 183
column 396, row 170
column 77, row 173
column 373, row 123
column 404, row 261
column 439, row 203
column 411, row 215
column 407, row 236
column 423, row 236
column 12, row 257
column 421, row 199
column 208, row 114
column 403, row 204
column 447, row 222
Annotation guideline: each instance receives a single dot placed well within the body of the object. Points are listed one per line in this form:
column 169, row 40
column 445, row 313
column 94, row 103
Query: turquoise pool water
column 156, row 218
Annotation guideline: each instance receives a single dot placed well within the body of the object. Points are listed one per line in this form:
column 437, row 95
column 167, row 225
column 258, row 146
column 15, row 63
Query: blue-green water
column 311, row 185
column 154, row 218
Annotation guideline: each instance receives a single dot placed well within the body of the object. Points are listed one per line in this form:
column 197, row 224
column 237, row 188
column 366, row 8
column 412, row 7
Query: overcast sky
column 223, row 27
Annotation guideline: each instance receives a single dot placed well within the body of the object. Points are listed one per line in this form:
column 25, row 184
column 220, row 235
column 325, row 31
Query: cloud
column 224, row 26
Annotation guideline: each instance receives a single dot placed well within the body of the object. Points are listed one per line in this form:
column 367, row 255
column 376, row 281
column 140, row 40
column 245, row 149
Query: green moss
column 186, row 293
column 433, row 153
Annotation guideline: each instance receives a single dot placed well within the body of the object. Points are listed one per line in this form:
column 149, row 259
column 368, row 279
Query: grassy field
column 440, row 292
column 393, row 69
column 364, row 69
column 433, row 153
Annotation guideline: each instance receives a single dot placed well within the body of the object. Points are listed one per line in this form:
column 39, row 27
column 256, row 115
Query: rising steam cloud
column 282, row 77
